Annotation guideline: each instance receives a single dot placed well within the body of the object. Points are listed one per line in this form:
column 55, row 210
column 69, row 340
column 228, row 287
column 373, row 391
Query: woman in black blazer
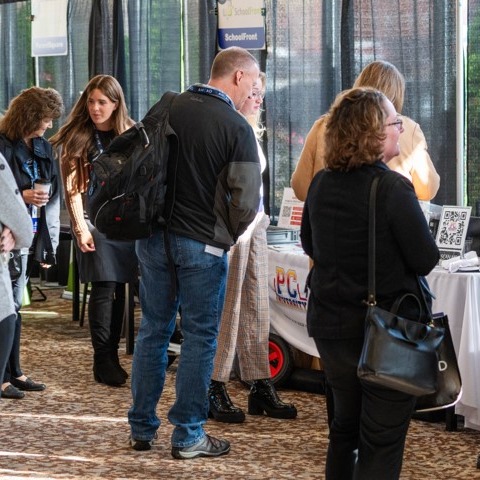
column 370, row 423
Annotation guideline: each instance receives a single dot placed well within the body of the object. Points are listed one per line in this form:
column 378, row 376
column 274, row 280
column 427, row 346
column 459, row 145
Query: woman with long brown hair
column 99, row 115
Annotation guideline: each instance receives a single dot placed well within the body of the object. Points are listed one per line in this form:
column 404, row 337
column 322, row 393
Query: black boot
column 264, row 398
column 221, row 407
column 105, row 371
column 105, row 328
column 116, row 361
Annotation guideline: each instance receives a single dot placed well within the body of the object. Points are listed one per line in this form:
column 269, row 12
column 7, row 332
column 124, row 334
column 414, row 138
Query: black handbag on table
column 449, row 387
column 398, row 353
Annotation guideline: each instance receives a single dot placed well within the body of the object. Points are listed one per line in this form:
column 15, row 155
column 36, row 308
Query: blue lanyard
column 98, row 143
column 213, row 92
column 33, row 173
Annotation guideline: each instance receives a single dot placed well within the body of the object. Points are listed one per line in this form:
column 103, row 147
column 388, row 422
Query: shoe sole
column 189, row 455
column 227, row 417
column 140, row 446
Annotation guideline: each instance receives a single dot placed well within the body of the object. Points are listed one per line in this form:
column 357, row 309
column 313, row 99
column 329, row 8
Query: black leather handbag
column 449, row 381
column 15, row 264
column 398, row 353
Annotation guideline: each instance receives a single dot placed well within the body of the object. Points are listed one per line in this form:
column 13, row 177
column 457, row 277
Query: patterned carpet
column 77, row 429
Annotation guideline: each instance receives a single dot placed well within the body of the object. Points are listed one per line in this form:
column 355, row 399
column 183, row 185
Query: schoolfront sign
column 241, row 23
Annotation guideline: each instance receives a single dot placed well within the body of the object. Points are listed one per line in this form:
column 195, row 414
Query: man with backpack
column 215, row 197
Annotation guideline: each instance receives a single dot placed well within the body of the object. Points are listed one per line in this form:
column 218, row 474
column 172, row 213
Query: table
column 288, row 268
column 458, row 295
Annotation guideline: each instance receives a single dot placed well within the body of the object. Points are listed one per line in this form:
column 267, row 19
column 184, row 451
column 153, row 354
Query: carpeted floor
column 77, row 429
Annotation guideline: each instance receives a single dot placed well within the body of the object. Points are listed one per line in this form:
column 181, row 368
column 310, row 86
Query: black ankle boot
column 264, row 398
column 105, row 371
column 221, row 407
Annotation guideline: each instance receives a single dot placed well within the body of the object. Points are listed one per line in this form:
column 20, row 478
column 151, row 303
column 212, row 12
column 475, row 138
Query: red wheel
column 276, row 358
column 281, row 359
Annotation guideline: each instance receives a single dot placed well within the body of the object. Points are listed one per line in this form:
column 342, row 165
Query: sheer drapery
column 314, row 49
column 419, row 38
column 154, row 52
column 303, row 75
column 16, row 65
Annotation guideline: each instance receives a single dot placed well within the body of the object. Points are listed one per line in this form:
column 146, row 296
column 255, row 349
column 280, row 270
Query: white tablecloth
column 287, row 272
column 458, row 295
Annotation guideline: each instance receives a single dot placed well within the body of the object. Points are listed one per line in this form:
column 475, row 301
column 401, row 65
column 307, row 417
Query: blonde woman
column 413, row 160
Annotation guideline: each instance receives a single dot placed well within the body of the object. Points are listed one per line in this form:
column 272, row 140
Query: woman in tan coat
column 413, row 161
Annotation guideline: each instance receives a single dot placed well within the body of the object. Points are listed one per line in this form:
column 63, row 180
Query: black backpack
column 128, row 182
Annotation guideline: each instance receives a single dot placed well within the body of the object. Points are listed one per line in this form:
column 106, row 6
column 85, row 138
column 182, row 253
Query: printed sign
column 241, row 23
column 291, row 210
column 452, row 231
column 49, row 28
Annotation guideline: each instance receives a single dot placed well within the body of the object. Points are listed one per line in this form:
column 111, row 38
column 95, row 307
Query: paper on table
column 469, row 260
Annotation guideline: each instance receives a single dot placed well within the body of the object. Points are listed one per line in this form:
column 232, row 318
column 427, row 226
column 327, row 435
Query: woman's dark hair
column 28, row 109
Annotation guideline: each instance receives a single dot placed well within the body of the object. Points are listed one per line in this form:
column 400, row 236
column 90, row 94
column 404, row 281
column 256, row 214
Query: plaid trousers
column 245, row 323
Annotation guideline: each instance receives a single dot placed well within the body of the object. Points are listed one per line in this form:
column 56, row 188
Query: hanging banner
column 49, row 28
column 241, row 23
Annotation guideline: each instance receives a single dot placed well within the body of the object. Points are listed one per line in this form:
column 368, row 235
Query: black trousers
column 105, row 316
column 7, row 329
column 370, row 423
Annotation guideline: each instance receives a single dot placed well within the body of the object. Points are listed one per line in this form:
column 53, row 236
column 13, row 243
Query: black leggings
column 7, row 329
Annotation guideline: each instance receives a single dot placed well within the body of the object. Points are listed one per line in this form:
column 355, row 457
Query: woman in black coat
column 30, row 156
column 370, row 423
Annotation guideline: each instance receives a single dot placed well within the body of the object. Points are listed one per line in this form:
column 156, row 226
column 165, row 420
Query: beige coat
column 413, row 162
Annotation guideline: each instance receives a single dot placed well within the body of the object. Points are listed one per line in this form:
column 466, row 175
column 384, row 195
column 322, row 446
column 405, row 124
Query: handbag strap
column 371, row 242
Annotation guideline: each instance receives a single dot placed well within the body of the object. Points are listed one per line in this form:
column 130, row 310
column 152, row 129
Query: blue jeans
column 200, row 291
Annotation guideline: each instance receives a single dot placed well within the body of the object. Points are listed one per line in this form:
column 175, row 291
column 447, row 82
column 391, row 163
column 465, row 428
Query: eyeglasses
column 256, row 96
column 398, row 123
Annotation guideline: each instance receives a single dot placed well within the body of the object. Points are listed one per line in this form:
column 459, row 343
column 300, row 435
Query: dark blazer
column 16, row 154
column 335, row 234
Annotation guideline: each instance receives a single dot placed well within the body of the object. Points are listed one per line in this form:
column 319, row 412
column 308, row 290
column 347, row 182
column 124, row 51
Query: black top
column 335, row 234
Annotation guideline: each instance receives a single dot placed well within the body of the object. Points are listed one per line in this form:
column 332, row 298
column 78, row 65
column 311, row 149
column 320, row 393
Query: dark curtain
column 472, row 103
column 106, row 47
column 199, row 38
column 418, row 37
column 315, row 48
column 16, row 64
column 303, row 75
column 154, row 52
column 69, row 73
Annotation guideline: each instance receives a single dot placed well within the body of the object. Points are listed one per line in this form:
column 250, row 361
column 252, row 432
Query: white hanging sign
column 49, row 28
column 241, row 23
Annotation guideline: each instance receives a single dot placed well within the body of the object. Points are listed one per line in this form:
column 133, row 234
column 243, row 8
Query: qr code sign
column 453, row 227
